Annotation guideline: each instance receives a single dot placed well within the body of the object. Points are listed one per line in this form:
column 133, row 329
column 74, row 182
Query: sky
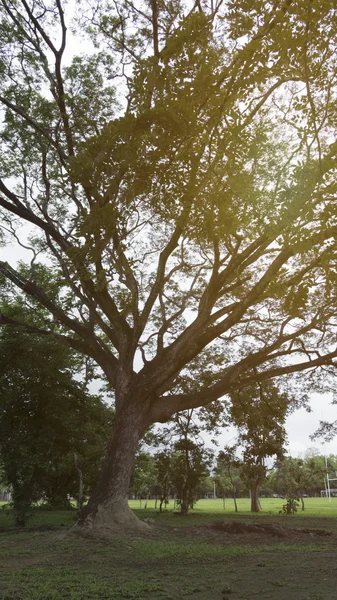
column 300, row 425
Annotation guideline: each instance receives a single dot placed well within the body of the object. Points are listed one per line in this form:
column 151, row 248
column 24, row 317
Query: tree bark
column 255, row 502
column 107, row 511
column 184, row 506
column 235, row 503
column 155, row 27
column 80, row 498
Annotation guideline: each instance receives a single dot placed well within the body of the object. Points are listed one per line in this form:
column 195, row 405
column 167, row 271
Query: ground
column 198, row 557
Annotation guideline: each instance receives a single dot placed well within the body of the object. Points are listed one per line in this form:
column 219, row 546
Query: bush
column 290, row 507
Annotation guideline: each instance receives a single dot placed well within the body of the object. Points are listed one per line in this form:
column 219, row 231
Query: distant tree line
column 163, row 476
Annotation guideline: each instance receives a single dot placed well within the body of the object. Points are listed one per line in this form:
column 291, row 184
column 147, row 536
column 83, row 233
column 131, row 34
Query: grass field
column 188, row 558
column 313, row 506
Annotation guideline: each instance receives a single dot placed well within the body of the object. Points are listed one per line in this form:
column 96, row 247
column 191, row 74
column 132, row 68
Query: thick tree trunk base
column 111, row 521
column 107, row 514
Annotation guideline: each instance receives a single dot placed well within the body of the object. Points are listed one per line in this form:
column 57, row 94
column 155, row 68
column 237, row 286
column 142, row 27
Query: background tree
column 179, row 181
column 4, row 487
column 302, row 476
column 206, row 488
column 46, row 416
column 144, row 476
column 190, row 465
column 259, row 412
column 229, row 473
column 185, row 462
column 317, row 468
column 291, row 479
column 164, row 473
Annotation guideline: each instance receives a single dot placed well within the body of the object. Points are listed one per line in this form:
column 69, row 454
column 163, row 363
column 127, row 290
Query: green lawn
column 313, row 506
column 182, row 558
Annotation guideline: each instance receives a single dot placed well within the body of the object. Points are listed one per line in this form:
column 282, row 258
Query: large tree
column 179, row 180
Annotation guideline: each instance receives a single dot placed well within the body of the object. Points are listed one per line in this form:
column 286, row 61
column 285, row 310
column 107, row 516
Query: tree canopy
column 179, row 181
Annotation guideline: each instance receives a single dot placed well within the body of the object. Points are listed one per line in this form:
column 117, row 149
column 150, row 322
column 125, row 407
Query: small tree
column 291, row 478
column 316, row 469
column 190, row 464
column 259, row 413
column 191, row 461
column 144, row 476
column 164, row 476
column 229, row 471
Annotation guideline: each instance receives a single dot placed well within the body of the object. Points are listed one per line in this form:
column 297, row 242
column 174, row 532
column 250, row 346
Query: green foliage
column 144, row 476
column 290, row 507
column 229, row 473
column 164, row 476
column 301, row 476
column 190, row 465
column 327, row 430
column 259, row 412
column 183, row 464
column 46, row 416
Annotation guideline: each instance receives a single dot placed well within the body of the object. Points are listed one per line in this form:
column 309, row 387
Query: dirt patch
column 260, row 533
column 269, row 528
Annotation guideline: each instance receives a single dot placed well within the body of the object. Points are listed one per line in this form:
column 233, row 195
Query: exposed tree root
column 109, row 524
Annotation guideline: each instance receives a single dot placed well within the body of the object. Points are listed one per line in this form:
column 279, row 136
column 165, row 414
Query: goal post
column 328, row 489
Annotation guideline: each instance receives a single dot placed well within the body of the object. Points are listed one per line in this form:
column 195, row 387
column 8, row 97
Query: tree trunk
column 255, row 502
column 107, row 511
column 302, row 502
column 235, row 503
column 184, row 504
column 80, row 498
column 184, row 507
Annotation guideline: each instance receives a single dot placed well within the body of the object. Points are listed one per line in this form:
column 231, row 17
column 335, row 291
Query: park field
column 211, row 554
column 313, row 506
